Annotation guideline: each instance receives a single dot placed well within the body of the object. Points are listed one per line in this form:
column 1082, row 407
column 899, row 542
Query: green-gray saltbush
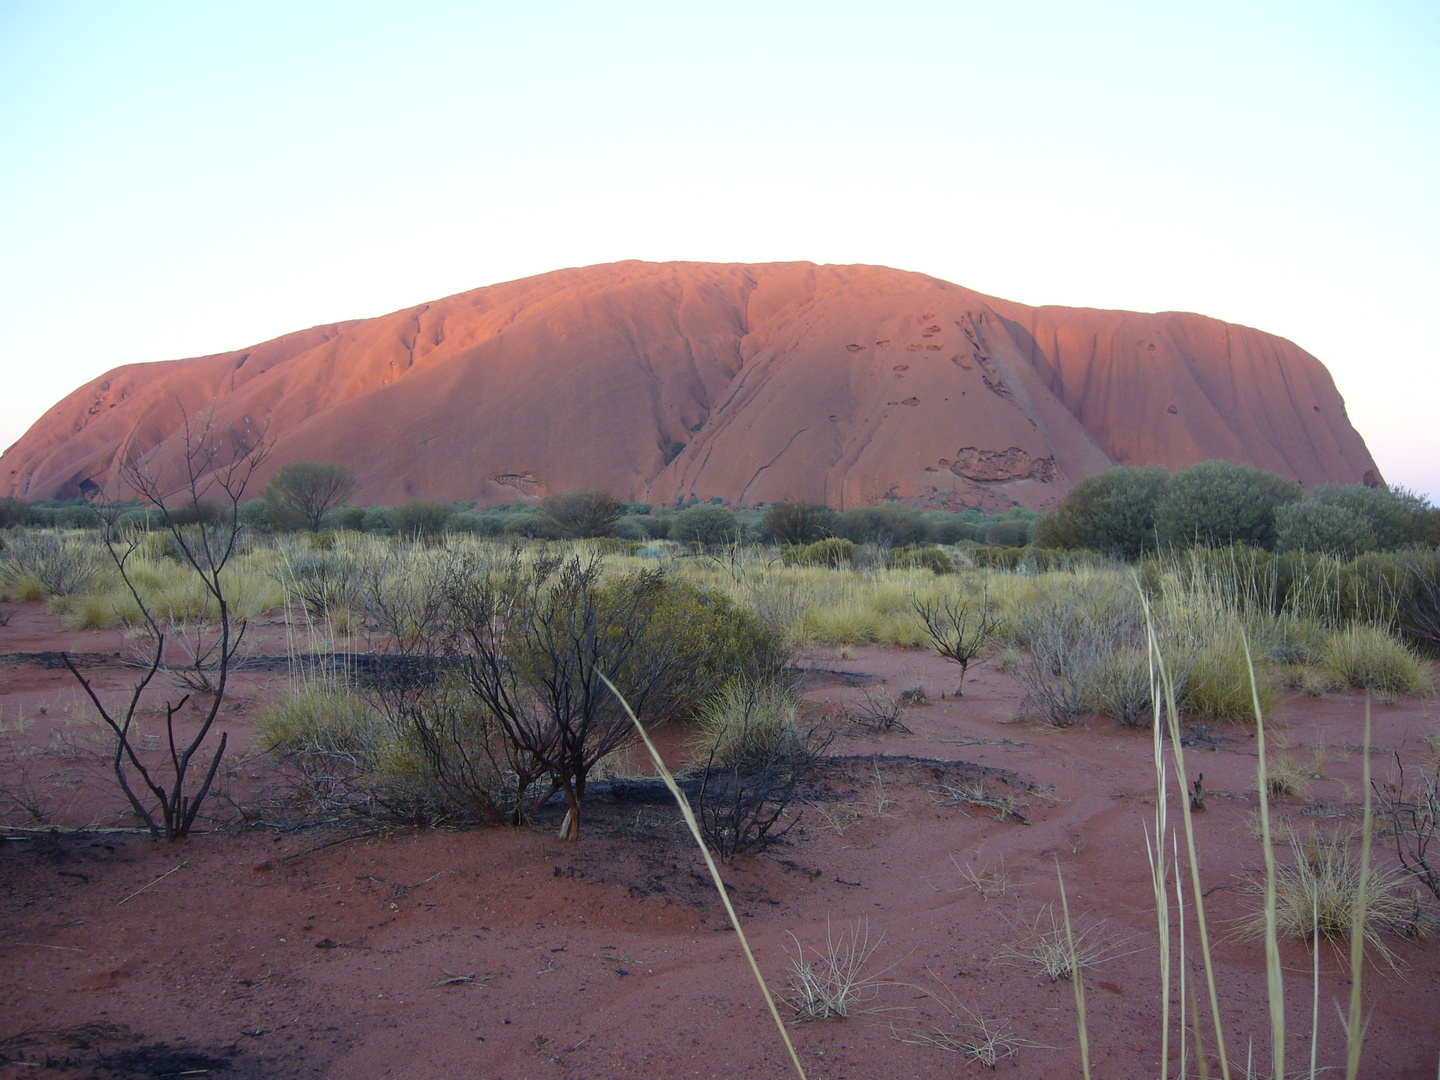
column 706, row 525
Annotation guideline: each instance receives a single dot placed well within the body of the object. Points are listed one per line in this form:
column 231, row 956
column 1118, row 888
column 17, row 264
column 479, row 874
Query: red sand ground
column 254, row 952
column 841, row 385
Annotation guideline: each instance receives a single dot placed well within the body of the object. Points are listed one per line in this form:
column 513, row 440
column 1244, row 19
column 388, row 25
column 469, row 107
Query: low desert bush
column 933, row 559
column 419, row 518
column 1119, row 687
column 1065, row 647
column 834, row 552
column 1370, row 658
column 705, row 526
column 751, row 757
column 36, row 564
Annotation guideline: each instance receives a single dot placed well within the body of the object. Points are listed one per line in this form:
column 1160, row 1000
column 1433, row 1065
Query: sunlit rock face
column 842, row 385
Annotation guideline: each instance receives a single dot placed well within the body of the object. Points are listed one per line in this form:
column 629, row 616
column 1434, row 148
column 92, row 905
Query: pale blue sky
column 180, row 179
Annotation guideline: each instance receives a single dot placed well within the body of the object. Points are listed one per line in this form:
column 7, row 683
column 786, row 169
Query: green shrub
column 835, row 552
column 420, row 517
column 582, row 513
column 254, row 513
column 478, row 523
column 533, row 527
column 657, row 525
column 794, row 523
column 1394, row 518
column 1113, row 512
column 888, row 523
column 1217, row 503
column 77, row 517
column 717, row 641
column 349, row 518
column 708, row 526
column 950, row 529
column 632, row 527
column 1013, row 533
column 1311, row 525
column 376, row 519
column 1370, row 658
column 13, row 511
column 924, row 558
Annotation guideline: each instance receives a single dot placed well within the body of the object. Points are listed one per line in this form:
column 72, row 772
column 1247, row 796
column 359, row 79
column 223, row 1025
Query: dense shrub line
column 1127, row 513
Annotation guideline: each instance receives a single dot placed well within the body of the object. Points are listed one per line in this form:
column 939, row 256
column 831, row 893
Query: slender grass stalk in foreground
column 1315, row 1000
column 689, row 817
column 1173, row 722
column 1354, row 1028
column 1076, row 976
column 1275, row 982
column 1160, row 872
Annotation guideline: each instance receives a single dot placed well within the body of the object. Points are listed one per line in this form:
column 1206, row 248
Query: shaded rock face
column 841, row 385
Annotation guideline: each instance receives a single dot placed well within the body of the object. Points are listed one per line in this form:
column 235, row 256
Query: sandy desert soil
column 354, row 951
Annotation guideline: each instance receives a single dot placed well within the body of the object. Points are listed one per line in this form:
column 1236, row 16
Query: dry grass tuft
column 835, row 983
column 971, row 1034
column 1048, row 950
column 1320, row 893
column 1284, row 777
column 974, row 793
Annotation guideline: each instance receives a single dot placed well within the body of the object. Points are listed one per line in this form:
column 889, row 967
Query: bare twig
column 157, row 881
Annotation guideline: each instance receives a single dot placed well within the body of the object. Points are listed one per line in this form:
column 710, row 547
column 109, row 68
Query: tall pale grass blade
column 694, row 827
column 1315, row 1001
column 1077, row 976
column 1172, row 716
column 1201, row 1062
column 1273, row 978
column 1184, row 980
column 1162, row 911
column 1354, row 1033
column 1159, row 872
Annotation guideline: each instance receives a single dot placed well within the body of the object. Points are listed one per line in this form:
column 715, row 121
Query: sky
column 182, row 179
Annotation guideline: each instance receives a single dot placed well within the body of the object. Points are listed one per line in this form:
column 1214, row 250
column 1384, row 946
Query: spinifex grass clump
column 1370, row 658
column 1319, row 893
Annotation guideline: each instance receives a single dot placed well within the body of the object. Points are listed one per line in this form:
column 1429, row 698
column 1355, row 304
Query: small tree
column 307, row 490
column 1113, row 512
column 794, row 522
column 583, row 512
column 217, row 464
column 1219, row 503
column 959, row 631
column 536, row 640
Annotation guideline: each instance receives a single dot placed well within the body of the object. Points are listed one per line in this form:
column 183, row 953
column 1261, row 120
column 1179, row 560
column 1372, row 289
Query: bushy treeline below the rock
column 1123, row 513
